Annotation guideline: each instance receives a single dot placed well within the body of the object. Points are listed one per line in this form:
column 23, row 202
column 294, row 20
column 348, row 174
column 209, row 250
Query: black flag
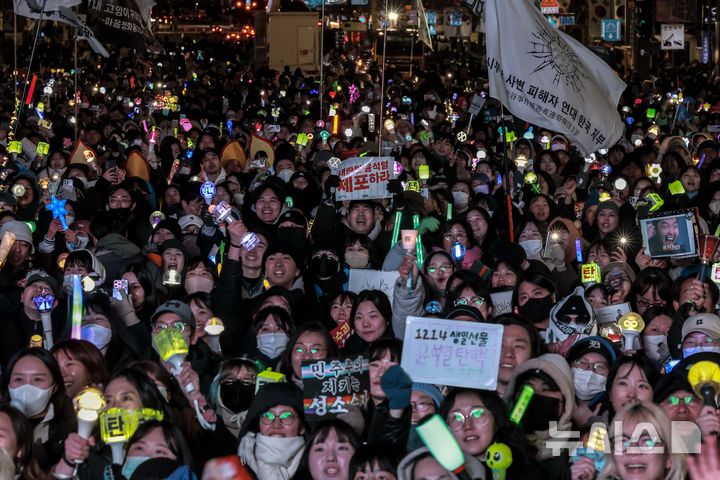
column 123, row 22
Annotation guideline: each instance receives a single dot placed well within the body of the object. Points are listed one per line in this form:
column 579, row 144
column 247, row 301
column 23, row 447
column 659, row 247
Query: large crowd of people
column 198, row 203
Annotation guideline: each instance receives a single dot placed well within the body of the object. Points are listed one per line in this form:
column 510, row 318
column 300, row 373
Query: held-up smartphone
column 109, row 163
column 119, row 285
column 259, row 163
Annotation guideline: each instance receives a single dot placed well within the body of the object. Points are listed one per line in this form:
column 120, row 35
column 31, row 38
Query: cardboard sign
column 372, row 280
column 452, row 352
column 502, row 302
column 611, row 313
column 476, row 105
column 365, row 178
column 330, row 385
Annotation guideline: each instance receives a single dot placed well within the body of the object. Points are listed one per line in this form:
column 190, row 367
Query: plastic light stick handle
column 629, row 337
column 449, row 211
column 499, row 473
column 47, row 329
column 118, row 453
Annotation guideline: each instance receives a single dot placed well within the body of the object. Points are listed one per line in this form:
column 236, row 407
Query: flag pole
column 382, row 80
column 32, row 56
column 508, row 194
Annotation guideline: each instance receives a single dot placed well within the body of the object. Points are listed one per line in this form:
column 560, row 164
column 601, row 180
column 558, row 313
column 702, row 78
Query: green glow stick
column 518, row 411
column 418, row 242
column 396, row 227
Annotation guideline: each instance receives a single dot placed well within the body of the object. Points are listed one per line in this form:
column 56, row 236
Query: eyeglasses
column 457, row 236
column 179, row 325
column 645, row 444
column 301, row 350
column 645, row 304
column 442, row 268
column 472, row 302
column 676, row 400
column 708, row 342
column 457, row 419
column 422, row 407
column 599, row 368
column 286, row 418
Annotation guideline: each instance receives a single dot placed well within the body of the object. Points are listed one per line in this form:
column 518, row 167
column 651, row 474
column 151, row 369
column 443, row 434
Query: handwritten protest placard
column 502, row 302
column 365, row 177
column 372, row 280
column 452, row 352
column 330, row 385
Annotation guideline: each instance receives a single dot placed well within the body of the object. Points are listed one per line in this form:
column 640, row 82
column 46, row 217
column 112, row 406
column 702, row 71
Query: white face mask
column 82, row 242
column 587, row 383
column 238, row 199
column 714, row 206
column 656, row 347
column 286, row 174
column 357, row 259
column 96, row 334
column 532, row 248
column 272, row 344
column 199, row 284
column 482, row 188
column 29, row 399
column 69, row 219
column 690, row 351
column 460, row 199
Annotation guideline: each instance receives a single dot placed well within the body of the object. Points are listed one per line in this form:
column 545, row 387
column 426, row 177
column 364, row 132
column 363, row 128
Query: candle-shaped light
column 6, row 244
column 631, row 324
column 214, row 327
column 498, row 457
column 88, row 404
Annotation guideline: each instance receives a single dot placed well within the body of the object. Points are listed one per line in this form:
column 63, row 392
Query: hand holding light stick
column 77, row 307
column 214, row 327
column 44, row 304
column 115, row 430
column 170, row 345
column 408, row 239
column 438, row 439
column 88, row 404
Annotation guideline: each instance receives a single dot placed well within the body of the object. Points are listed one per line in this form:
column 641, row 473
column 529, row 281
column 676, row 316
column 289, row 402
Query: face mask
column 656, row 347
column 29, row 399
column 236, row 396
column 291, row 236
column 286, row 174
column 199, row 284
column 532, row 248
column 536, row 309
column 69, row 219
column 541, row 411
column 587, row 383
column 482, row 188
column 690, row 351
column 325, row 267
column 272, row 344
column 714, row 206
column 84, row 182
column 96, row 334
column 357, row 259
column 460, row 199
column 238, row 199
column 131, row 464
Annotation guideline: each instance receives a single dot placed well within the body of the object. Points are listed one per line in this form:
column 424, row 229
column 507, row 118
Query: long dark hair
column 381, row 302
column 285, row 366
column 344, row 432
column 149, row 277
column 26, row 465
column 174, row 437
column 150, row 396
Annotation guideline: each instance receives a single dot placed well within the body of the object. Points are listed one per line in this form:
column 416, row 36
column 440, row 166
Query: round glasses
column 286, row 418
column 177, row 325
column 470, row 302
column 457, row 419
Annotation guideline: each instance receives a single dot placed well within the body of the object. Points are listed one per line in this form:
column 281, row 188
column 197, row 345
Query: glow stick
column 77, row 308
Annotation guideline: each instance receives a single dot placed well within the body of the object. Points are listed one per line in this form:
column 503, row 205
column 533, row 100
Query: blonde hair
column 653, row 414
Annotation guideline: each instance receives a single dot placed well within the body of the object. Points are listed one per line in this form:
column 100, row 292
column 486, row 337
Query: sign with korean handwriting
column 364, row 178
column 360, row 280
column 502, row 302
column 331, row 385
column 452, row 352
column 672, row 36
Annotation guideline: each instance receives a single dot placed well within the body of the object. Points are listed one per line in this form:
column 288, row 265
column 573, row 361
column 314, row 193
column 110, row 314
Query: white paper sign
column 611, row 313
column 364, row 178
column 672, row 36
column 502, row 302
column 452, row 352
column 476, row 105
column 372, row 280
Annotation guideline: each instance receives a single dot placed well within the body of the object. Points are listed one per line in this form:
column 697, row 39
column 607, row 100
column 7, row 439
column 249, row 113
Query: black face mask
column 325, row 267
column 294, row 236
column 236, row 396
column 540, row 411
column 536, row 309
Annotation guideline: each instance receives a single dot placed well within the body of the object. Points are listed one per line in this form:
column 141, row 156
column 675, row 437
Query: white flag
column 59, row 11
column 423, row 27
column 548, row 78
